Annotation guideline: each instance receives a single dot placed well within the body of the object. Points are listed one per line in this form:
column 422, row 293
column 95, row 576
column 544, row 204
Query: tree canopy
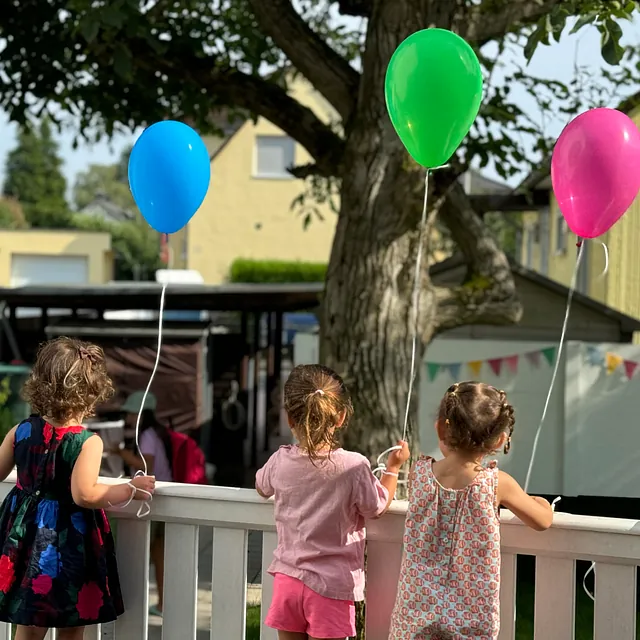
column 35, row 179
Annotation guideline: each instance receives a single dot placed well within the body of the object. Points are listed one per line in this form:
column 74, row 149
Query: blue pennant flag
column 454, row 370
column 595, row 357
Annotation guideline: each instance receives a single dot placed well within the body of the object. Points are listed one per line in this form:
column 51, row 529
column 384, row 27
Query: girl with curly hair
column 57, row 560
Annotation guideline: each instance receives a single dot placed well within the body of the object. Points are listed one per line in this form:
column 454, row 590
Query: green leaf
column 112, row 16
column 122, row 61
column 583, row 22
column 89, row 28
column 611, row 50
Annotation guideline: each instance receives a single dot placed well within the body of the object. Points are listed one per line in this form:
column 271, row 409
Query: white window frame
column 284, row 175
column 562, row 233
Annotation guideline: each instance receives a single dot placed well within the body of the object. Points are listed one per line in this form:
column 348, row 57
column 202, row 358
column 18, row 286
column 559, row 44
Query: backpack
column 188, row 463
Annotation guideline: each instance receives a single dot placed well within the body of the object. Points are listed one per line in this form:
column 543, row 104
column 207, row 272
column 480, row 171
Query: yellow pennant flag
column 613, row 361
column 475, row 367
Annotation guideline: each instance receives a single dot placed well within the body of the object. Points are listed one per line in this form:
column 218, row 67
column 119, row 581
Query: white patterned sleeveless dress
column 450, row 578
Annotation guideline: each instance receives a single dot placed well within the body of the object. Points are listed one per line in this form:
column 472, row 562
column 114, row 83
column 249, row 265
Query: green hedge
column 272, row 271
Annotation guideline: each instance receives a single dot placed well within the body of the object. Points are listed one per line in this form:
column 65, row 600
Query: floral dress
column 450, row 578
column 57, row 560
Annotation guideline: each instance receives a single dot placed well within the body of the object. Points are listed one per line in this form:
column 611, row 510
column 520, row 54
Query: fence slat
column 181, row 582
column 508, row 572
column 383, row 572
column 132, row 550
column 615, row 607
column 5, row 631
column 555, row 599
column 93, row 632
column 229, row 584
column 269, row 544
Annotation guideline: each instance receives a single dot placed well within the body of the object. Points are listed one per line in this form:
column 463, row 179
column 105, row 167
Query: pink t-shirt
column 320, row 512
column 152, row 445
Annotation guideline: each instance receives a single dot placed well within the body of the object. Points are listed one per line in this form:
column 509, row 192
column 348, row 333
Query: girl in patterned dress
column 450, row 577
column 323, row 494
column 57, row 561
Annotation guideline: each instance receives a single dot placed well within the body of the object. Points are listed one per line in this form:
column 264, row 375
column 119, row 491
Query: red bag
column 188, row 463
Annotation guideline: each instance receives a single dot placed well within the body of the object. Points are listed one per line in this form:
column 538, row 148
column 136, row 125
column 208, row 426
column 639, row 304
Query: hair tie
column 319, row 392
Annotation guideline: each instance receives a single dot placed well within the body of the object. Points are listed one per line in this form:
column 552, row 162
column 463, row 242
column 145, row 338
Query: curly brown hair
column 68, row 380
column 474, row 416
column 316, row 399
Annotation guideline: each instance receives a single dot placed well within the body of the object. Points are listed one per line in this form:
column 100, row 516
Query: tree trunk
column 367, row 317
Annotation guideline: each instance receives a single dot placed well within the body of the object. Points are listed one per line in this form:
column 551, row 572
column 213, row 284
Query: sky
column 556, row 61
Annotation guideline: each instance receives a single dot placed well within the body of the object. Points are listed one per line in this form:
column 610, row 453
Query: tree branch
column 484, row 24
column 488, row 295
column 228, row 87
column 326, row 69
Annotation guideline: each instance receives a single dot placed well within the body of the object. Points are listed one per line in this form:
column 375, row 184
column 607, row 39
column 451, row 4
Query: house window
column 530, row 240
column 561, row 233
column 274, row 156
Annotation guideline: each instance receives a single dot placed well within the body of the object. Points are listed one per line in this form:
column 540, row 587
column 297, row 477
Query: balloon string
column 415, row 300
column 414, row 304
column 572, row 288
column 145, row 509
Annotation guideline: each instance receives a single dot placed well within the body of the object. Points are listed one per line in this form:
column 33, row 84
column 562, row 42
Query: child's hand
column 144, row 484
column 398, row 458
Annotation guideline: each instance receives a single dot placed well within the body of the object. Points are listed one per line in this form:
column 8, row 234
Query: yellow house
column 550, row 248
column 52, row 257
column 248, row 210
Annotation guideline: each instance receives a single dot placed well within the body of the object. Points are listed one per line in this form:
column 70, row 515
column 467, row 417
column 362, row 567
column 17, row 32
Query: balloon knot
column 579, row 243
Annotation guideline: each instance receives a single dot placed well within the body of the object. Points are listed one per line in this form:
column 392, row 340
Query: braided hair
column 474, row 416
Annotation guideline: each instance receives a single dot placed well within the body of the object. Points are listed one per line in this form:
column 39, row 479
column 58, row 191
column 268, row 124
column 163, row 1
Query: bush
column 276, row 271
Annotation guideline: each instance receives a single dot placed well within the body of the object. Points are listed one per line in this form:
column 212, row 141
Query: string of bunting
column 610, row 361
column 497, row 365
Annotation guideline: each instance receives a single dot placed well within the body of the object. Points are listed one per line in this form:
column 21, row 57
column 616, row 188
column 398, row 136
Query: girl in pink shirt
column 450, row 576
column 323, row 495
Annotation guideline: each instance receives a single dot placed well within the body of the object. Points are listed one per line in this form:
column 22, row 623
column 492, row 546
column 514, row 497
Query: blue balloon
column 169, row 174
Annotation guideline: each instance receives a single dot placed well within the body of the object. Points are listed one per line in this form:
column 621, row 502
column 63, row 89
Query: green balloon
column 433, row 90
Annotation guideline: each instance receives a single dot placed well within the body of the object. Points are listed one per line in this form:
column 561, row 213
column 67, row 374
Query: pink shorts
column 298, row 609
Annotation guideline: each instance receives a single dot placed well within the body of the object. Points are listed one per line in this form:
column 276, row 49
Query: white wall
column 602, row 433
column 590, row 441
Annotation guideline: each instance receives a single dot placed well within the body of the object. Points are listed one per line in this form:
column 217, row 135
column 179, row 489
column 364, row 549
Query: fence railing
column 614, row 544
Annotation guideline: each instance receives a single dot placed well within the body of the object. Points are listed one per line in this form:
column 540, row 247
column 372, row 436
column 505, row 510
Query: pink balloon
column 595, row 170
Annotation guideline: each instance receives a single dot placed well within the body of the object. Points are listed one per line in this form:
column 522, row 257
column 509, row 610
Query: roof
column 146, row 295
column 245, row 297
column 627, row 323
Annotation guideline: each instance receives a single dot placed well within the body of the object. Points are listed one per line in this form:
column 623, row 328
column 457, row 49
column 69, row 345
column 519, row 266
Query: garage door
column 39, row 270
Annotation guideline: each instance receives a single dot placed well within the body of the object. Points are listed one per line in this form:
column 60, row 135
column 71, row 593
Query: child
column 450, row 577
column 323, row 494
column 57, row 561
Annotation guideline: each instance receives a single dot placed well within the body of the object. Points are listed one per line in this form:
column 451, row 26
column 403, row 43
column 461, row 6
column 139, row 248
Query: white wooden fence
column 613, row 544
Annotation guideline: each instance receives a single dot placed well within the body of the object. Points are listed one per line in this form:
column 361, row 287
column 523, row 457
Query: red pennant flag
column 512, row 363
column 496, row 365
column 534, row 358
column 630, row 368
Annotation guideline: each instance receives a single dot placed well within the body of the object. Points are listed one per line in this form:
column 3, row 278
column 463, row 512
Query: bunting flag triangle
column 630, row 368
column 496, row 365
column 594, row 356
column 432, row 370
column 613, row 361
column 549, row 354
column 475, row 367
column 534, row 358
column 512, row 363
column 454, row 370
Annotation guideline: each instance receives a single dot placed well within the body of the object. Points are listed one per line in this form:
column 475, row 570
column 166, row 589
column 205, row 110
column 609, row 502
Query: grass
column 253, row 623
